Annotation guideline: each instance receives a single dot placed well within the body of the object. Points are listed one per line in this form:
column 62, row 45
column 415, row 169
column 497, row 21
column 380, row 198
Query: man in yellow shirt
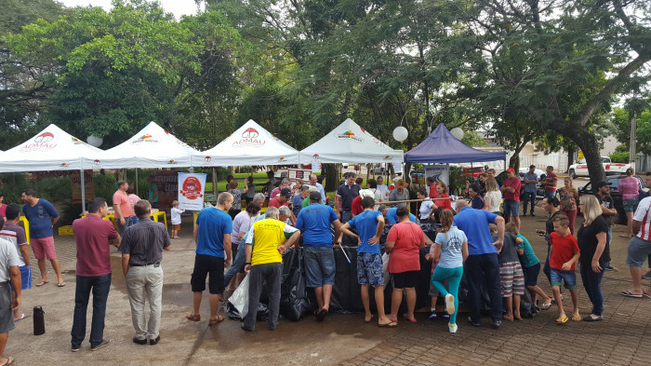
column 267, row 240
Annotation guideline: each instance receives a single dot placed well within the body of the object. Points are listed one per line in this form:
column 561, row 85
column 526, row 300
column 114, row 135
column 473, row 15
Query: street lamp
column 400, row 134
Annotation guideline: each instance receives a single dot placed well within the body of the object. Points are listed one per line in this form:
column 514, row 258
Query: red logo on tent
column 250, row 133
column 207, row 159
column 316, row 156
column 44, row 138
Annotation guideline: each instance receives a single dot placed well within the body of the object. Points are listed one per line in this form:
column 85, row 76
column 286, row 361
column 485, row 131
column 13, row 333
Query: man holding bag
column 265, row 243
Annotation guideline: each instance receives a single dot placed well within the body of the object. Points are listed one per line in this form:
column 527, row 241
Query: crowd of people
column 479, row 236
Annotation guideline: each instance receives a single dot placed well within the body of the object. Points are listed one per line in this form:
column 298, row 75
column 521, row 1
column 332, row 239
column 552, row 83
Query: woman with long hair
column 568, row 196
column 493, row 196
column 451, row 250
column 594, row 254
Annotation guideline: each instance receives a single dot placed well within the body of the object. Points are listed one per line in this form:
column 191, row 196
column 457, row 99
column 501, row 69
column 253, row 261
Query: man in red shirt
column 550, row 182
column 93, row 237
column 511, row 191
column 283, row 200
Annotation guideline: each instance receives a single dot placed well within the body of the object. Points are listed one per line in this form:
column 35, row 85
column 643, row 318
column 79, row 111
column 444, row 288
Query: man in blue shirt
column 392, row 217
column 42, row 216
column 212, row 233
column 369, row 225
column 314, row 221
column 530, row 187
column 482, row 266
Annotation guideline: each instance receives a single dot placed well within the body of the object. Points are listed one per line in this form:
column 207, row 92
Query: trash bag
column 233, row 314
column 294, row 302
column 240, row 298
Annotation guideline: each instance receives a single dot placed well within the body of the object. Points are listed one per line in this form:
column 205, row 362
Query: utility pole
column 632, row 142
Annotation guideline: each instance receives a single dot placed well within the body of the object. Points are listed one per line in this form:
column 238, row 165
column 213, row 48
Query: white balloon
column 457, row 132
column 400, row 134
column 94, row 140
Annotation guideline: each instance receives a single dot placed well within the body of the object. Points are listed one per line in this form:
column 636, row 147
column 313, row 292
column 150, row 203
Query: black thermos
column 39, row 320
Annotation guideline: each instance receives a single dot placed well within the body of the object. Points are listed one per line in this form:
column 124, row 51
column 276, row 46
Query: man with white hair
column 285, row 183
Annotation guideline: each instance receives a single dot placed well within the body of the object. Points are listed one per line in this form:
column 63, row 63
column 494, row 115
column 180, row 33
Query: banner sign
column 438, row 172
column 296, row 174
column 191, row 187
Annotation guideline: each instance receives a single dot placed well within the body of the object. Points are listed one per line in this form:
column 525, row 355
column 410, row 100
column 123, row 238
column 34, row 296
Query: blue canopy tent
column 441, row 147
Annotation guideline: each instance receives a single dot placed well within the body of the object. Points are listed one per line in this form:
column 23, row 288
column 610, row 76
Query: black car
column 614, row 192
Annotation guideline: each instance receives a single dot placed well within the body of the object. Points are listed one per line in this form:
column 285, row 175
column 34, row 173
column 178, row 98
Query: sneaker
column 101, row 345
column 445, row 316
column 452, row 327
column 477, row 324
column 139, row 341
column 647, row 276
column 533, row 214
column 449, row 304
column 432, row 315
column 497, row 324
column 153, row 342
column 74, row 349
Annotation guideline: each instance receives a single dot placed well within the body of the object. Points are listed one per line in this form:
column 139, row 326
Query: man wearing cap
column 314, row 221
column 530, row 182
column 511, row 191
column 400, row 194
column 608, row 212
column 344, row 197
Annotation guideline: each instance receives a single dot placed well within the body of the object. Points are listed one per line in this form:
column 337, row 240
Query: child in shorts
column 531, row 268
column 369, row 225
column 511, row 275
column 564, row 254
column 176, row 219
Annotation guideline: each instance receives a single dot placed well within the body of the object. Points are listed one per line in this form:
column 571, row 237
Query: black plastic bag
column 294, row 302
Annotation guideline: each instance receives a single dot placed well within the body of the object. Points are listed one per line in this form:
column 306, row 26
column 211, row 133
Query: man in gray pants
column 142, row 251
column 267, row 240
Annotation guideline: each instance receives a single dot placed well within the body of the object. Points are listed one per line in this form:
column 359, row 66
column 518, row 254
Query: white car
column 580, row 168
column 537, row 172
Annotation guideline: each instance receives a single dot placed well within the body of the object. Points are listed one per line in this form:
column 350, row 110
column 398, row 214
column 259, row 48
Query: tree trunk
column 570, row 157
column 332, row 177
column 588, row 144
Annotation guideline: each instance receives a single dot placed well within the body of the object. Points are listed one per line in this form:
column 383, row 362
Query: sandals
column 219, row 319
column 388, row 325
column 576, row 318
column 370, row 319
column 547, row 305
column 42, row 283
column 413, row 320
column 10, row 361
column 562, row 320
column 628, row 293
column 61, row 284
column 194, row 317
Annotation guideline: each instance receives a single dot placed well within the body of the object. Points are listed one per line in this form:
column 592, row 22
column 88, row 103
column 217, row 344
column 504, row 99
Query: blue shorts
column 638, row 251
column 511, row 208
column 630, row 205
column 320, row 268
column 568, row 276
column 369, row 269
column 25, row 277
column 531, row 274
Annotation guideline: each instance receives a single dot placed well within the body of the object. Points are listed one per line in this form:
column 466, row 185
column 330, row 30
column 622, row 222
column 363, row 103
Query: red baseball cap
column 510, row 170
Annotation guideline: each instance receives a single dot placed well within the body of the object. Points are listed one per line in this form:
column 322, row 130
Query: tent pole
column 137, row 192
column 83, row 190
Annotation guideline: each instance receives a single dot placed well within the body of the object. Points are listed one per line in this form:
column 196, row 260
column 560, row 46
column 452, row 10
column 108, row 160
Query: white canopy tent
column 52, row 149
column 349, row 143
column 151, row 147
column 248, row 145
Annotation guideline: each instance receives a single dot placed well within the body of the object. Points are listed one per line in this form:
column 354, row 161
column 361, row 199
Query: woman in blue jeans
column 595, row 253
column 451, row 246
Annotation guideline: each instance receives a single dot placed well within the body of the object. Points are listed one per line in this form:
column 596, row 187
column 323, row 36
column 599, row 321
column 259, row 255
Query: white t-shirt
column 451, row 244
column 496, row 199
column 643, row 215
column 175, row 213
column 425, row 209
column 383, row 189
column 8, row 258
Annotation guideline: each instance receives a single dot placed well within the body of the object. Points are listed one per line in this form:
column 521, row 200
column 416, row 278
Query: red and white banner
column 191, row 188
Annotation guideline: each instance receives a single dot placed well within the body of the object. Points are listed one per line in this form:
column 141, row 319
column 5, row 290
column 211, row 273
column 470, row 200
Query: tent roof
column 349, row 143
column 50, row 149
column 151, row 147
column 442, row 147
column 248, row 145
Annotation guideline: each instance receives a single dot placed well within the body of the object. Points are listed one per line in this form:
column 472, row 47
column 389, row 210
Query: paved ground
column 622, row 338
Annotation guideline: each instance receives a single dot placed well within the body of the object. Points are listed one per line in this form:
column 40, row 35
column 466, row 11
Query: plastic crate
column 65, row 230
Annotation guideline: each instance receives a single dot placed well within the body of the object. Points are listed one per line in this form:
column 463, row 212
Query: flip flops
column 193, row 317
column 546, row 305
column 22, row 316
column 41, row 283
column 628, row 293
column 413, row 320
column 562, row 320
column 216, row 321
column 370, row 320
column 576, row 318
column 61, row 284
column 388, row 325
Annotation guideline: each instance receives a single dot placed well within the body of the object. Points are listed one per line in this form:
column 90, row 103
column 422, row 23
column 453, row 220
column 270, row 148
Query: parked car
column 580, row 168
column 473, row 171
column 614, row 192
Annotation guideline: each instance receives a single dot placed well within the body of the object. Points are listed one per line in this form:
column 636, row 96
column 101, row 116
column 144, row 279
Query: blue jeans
column 100, row 287
column 483, row 269
column 127, row 223
column 609, row 238
column 547, row 269
column 550, row 194
column 238, row 263
column 528, row 197
column 592, row 285
column 134, row 220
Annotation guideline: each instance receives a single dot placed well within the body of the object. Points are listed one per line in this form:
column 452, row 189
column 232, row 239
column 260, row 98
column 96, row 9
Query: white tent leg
column 83, row 190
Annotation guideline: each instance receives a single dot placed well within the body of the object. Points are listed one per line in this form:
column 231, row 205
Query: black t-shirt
column 587, row 238
column 549, row 225
column 608, row 203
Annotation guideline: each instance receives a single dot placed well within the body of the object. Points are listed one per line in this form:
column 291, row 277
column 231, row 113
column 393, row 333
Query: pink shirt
column 629, row 188
column 121, row 200
column 3, row 210
column 92, row 235
column 133, row 199
column 405, row 255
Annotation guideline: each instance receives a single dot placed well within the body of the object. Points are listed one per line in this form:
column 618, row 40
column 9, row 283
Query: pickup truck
column 580, row 168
